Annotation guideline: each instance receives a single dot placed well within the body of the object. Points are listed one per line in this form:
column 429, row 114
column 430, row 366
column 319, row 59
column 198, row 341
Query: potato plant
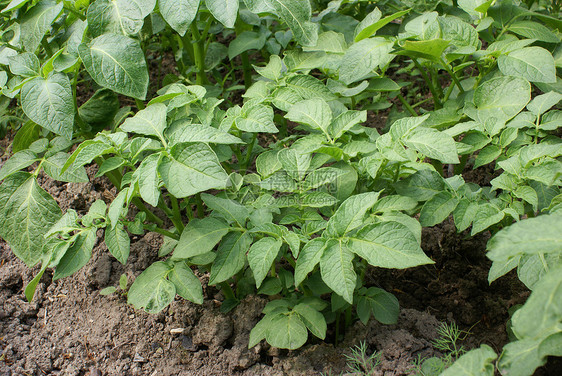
column 256, row 160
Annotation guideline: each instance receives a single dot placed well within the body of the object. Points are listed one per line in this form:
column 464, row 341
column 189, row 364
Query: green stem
column 200, row 209
column 407, row 105
column 273, row 272
column 140, row 104
column 453, row 75
column 75, row 12
column 227, row 290
column 46, row 46
column 177, row 214
column 162, row 231
column 429, row 83
column 149, row 215
column 249, row 152
column 448, row 93
column 198, row 54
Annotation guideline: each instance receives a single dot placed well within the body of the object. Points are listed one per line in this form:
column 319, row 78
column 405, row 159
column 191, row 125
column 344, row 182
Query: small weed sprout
column 361, row 363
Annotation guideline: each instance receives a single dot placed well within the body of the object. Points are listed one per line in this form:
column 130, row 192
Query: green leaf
column 53, row 167
column 363, row 57
column 422, row 185
column 433, row 144
column 487, row 155
column 199, row 237
column 313, row 112
column 329, row 41
column 26, row 135
column 345, row 121
column 261, row 255
column 179, row 14
column 267, row 163
column 367, row 30
column 477, row 362
column 351, row 213
column 523, row 238
column 501, row 98
column 438, row 208
column 36, row 22
column 231, row 256
column 309, row 257
column 230, row 209
column 521, row 358
column 286, row 331
column 151, row 121
column 48, row 102
column 308, row 87
column 114, row 16
column 77, row 255
column 116, row 208
column 464, row 214
column 86, row 152
column 187, row 284
column 295, row 163
column 108, row 290
column 542, row 103
column 486, row 216
column 116, row 62
column 296, row 14
column 256, row 118
column 428, row 49
column 394, row 203
column 384, row 305
column 26, row 213
column 534, row 64
column 245, row 41
column 151, row 290
column 534, row 30
column 118, row 242
column 18, row 161
column 389, row 245
column 25, row 64
column 201, row 133
column 314, row 320
column 336, row 267
column 225, row 11
column 272, row 70
column 100, row 110
column 190, row 169
column 148, row 180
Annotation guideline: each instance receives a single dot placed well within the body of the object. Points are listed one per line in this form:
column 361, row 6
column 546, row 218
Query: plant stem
column 249, row 152
column 198, row 54
column 407, row 105
column 149, row 215
column 199, row 202
column 140, row 104
column 429, row 82
column 177, row 214
column 453, row 75
column 162, row 231
column 46, row 46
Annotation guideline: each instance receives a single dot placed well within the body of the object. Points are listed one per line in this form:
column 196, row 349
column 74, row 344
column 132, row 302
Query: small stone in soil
column 187, row 343
column 139, row 359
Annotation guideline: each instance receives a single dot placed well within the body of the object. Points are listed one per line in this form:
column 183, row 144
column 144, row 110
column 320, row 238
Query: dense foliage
column 291, row 192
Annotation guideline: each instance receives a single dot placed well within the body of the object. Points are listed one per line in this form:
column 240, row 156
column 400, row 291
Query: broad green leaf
column 313, row 112
column 322, row 176
column 308, row 87
column 100, row 110
column 77, row 255
column 179, row 14
column 199, row 237
column 86, row 152
column 148, row 180
column 296, row 14
column 502, row 267
column 272, row 70
column 542, row 103
column 190, row 169
column 118, row 242
column 296, row 60
column 187, row 284
column 295, row 163
column 422, row 185
column 460, row 33
column 26, row 214
column 36, row 22
column 401, row 128
column 117, row 63
column 151, row 290
column 116, row 207
column 231, row 256
column 532, row 268
column 151, row 121
column 464, row 214
column 384, row 305
column 433, row 144
column 32, row 285
column 389, row 245
column 438, row 208
column 53, row 167
column 261, row 255
column 256, row 118
column 309, row 257
column 394, row 203
column 428, row 49
column 486, row 216
column 363, row 57
column 370, row 29
column 225, row 11
column 534, row 30
column 286, row 331
column 501, row 98
column 523, row 238
column 345, row 121
column 336, row 267
column 25, row 64
column 329, row 41
column 314, row 320
column 14, row 4
column 477, row 362
column 201, row 133
column 487, row 155
column 267, row 163
column 259, row 331
column 521, row 358
column 534, row 64
column 48, row 102
column 25, row 136
column 245, row 41
column 114, row 16
column 351, row 213
column 230, row 209
column 17, row 162
column 369, row 20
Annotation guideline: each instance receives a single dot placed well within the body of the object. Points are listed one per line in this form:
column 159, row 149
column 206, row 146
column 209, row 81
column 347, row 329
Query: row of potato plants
column 289, row 192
